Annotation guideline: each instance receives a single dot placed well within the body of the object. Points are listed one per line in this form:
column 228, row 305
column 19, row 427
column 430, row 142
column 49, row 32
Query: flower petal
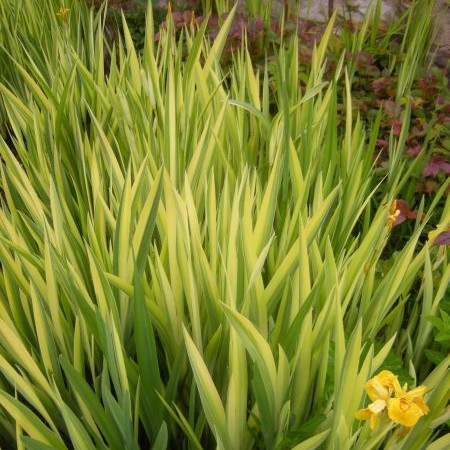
column 374, row 421
column 366, row 414
column 422, row 405
column 377, row 406
column 416, row 392
column 376, row 390
column 363, row 414
column 382, row 385
column 404, row 411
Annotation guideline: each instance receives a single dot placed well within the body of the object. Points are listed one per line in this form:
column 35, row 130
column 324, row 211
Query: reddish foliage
column 381, row 84
column 405, row 212
column 364, row 59
column 396, row 126
column 443, row 238
column 414, row 151
column 428, row 186
column 436, row 165
column 382, row 143
column 363, row 107
column 443, row 118
column 390, row 108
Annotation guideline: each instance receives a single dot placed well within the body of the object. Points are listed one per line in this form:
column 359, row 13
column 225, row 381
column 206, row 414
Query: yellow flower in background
column 393, row 215
column 63, row 13
column 402, row 407
column 407, row 408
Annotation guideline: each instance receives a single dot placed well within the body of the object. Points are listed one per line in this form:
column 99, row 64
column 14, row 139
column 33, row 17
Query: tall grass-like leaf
column 259, row 351
column 141, row 192
column 133, row 59
column 184, row 424
column 346, row 381
column 117, row 174
column 33, row 444
column 161, row 439
column 313, row 442
column 219, row 43
column 90, row 404
column 288, row 264
column 30, row 422
column 145, row 225
column 266, row 214
column 148, row 361
column 25, row 388
column 78, row 435
column 212, row 404
column 236, row 409
column 441, row 443
column 11, row 341
column 45, row 337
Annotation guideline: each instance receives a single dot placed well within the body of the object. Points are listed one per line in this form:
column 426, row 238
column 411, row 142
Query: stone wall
column 318, row 9
column 356, row 9
column 443, row 34
column 314, row 9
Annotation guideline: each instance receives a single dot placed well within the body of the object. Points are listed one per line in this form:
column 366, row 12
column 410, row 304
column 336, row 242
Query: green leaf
column 89, row 401
column 30, row 422
column 144, row 228
column 259, row 351
column 211, row 402
column 161, row 438
column 147, row 359
column 313, row 442
column 78, row 435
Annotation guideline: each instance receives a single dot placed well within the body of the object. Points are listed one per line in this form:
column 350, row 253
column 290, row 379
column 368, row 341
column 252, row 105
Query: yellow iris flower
column 402, row 407
column 63, row 13
column 379, row 389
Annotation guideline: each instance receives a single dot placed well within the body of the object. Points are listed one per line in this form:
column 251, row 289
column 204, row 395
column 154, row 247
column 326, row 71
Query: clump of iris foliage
column 200, row 257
